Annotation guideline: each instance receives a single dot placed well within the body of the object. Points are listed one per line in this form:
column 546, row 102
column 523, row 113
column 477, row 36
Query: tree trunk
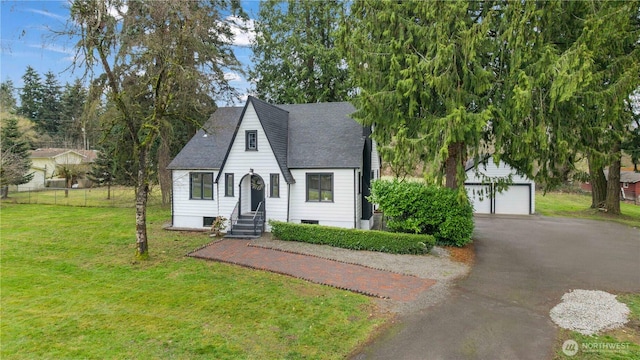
column 598, row 182
column 142, row 194
column 5, row 192
column 164, row 175
column 108, row 190
column 67, row 186
column 612, row 202
column 456, row 158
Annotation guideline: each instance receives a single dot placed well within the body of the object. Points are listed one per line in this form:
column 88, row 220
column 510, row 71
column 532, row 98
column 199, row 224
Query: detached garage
column 517, row 199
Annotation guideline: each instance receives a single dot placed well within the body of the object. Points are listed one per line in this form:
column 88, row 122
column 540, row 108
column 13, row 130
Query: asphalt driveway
column 523, row 266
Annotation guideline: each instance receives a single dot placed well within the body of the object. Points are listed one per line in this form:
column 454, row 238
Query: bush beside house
column 413, row 207
column 395, row 243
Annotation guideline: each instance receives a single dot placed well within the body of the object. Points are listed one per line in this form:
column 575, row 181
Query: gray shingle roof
column 208, row 147
column 318, row 135
column 626, row 176
column 322, row 135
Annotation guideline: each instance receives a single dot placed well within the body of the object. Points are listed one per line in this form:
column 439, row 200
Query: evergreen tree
column 31, row 96
column 15, row 164
column 49, row 117
column 7, row 98
column 421, row 68
column 74, row 123
column 102, row 170
column 295, row 55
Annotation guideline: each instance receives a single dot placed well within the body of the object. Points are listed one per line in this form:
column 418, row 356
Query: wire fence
column 116, row 196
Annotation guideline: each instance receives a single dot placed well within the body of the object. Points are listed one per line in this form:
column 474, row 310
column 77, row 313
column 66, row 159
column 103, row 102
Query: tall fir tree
column 7, row 97
column 49, row 116
column 31, row 96
column 421, row 71
column 75, row 125
column 295, row 54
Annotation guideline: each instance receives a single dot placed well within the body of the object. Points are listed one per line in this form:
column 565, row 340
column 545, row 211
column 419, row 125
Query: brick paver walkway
column 351, row 277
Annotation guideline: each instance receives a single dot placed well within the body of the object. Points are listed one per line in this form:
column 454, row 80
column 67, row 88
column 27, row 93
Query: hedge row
column 354, row 239
column 413, row 207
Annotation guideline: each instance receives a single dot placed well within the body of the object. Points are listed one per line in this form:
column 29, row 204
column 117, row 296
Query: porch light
column 250, row 171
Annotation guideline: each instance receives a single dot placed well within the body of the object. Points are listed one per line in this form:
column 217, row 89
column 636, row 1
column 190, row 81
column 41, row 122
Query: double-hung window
column 274, row 185
column 201, row 186
column 320, row 187
column 251, row 137
column 228, row 184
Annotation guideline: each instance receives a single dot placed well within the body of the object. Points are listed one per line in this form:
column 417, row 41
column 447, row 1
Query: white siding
column 263, row 162
column 340, row 212
column 495, row 171
column 189, row 213
column 38, row 180
column 358, row 195
column 375, row 167
column 519, row 198
column 375, row 160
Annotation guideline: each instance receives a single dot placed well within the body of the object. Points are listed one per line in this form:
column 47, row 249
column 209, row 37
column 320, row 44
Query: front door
column 257, row 191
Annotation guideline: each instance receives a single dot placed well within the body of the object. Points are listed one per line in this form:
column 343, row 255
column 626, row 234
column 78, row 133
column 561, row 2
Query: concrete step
column 241, row 236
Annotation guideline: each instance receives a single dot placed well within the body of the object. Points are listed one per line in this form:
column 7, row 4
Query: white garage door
column 479, row 196
column 515, row 200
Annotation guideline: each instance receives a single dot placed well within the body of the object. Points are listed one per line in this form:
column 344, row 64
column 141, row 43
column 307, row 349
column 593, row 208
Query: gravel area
column 589, row 312
column 437, row 266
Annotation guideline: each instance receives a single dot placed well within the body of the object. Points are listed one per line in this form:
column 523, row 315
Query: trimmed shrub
column 354, row 239
column 413, row 207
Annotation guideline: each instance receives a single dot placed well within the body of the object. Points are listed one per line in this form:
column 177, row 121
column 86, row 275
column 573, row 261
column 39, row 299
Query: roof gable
column 53, row 153
column 275, row 122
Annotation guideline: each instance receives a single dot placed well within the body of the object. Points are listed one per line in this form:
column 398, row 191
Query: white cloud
column 244, row 32
column 54, row 48
column 117, row 13
column 232, row 76
column 48, row 14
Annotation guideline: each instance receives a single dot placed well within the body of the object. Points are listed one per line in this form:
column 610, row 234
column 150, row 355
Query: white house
column 305, row 163
column 44, row 163
column 482, row 184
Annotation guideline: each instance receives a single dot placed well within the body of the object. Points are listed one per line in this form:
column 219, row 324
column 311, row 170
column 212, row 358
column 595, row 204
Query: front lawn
column 578, row 206
column 71, row 289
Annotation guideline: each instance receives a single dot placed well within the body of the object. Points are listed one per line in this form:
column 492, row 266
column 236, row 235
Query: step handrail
column 233, row 219
column 256, row 218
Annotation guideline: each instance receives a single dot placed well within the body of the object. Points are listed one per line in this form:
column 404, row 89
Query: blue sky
column 26, row 39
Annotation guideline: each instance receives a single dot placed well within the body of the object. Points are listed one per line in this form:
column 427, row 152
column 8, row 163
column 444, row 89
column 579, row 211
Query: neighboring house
column 481, row 184
column 629, row 185
column 305, row 163
column 45, row 161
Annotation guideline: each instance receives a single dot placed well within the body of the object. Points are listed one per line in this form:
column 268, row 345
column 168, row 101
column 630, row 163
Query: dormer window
column 251, row 140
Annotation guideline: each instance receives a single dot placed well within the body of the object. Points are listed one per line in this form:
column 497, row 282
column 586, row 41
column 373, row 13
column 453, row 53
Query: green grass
column 578, row 206
column 120, row 196
column 619, row 344
column 70, row 289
